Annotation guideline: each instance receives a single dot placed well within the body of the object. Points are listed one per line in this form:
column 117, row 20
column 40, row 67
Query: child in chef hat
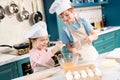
column 40, row 55
column 78, row 34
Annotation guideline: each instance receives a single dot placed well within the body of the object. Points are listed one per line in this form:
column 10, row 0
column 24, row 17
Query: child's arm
column 93, row 36
column 41, row 57
column 57, row 47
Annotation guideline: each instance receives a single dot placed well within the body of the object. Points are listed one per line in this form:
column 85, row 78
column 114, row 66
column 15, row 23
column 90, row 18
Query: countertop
column 7, row 58
column 107, row 29
column 109, row 73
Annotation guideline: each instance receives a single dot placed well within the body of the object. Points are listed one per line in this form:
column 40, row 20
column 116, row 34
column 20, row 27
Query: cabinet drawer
column 104, row 38
column 11, row 66
column 117, row 38
column 8, row 71
column 106, row 42
column 117, row 43
column 105, row 47
column 117, row 34
column 24, row 67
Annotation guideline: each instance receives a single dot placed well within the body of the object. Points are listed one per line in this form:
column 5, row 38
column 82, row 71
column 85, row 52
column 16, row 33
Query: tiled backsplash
column 92, row 14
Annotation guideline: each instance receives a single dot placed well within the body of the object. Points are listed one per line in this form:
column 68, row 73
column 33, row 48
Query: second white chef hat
column 59, row 6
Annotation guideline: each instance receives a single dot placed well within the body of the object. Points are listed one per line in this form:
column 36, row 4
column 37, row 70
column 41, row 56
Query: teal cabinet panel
column 105, row 42
column 8, row 71
column 105, row 46
column 51, row 21
column 117, row 39
column 24, row 67
column 104, row 38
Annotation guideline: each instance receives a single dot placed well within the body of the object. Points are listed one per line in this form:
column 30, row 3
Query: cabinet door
column 105, row 42
column 105, row 46
column 104, row 38
column 117, row 39
column 8, row 71
column 24, row 67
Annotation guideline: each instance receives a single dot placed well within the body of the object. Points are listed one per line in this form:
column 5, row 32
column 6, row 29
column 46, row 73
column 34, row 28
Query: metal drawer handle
column 105, row 47
column 104, row 38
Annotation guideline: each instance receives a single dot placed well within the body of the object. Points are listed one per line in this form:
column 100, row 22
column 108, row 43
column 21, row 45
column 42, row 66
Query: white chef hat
column 37, row 30
column 59, row 6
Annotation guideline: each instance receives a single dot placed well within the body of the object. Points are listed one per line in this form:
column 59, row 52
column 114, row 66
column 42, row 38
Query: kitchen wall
column 92, row 13
column 12, row 31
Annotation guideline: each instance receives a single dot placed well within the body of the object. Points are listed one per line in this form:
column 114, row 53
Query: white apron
column 42, row 67
column 87, row 51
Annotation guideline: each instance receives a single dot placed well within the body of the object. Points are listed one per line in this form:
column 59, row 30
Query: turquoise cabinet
column 117, row 39
column 85, row 3
column 105, row 42
column 15, row 69
column 24, row 67
column 8, row 71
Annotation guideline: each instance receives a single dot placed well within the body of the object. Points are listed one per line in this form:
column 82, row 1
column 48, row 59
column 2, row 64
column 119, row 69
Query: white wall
column 12, row 31
column 92, row 14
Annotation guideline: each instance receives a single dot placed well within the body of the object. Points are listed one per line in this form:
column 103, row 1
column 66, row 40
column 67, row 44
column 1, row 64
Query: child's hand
column 88, row 40
column 59, row 44
column 76, row 52
column 57, row 47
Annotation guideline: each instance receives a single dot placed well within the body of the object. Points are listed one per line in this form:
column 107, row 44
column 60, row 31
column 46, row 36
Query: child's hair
column 30, row 42
column 70, row 9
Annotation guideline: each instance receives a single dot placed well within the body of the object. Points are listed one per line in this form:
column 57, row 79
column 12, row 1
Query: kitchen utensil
column 6, row 48
column 12, row 8
column 38, row 15
column 24, row 15
column 42, row 75
column 20, row 49
column 2, row 13
column 31, row 20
